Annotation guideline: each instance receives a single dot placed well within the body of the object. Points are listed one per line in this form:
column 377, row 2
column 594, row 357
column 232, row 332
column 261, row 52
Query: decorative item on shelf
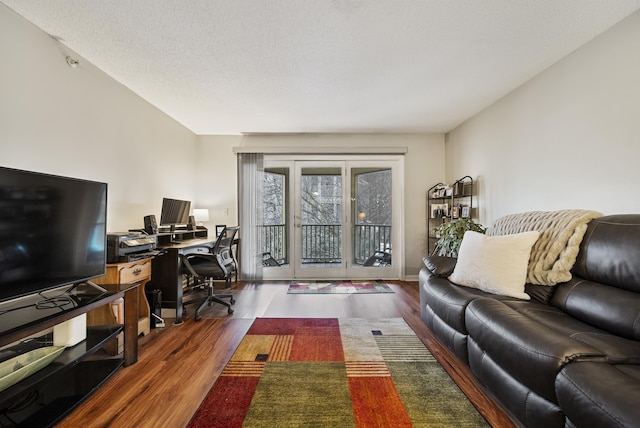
column 439, row 191
column 439, row 210
column 455, row 212
column 465, row 212
column 450, row 236
column 22, row 366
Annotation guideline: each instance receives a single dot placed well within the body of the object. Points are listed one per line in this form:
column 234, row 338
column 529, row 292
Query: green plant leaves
column 451, row 233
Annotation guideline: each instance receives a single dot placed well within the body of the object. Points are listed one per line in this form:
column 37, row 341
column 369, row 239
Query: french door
column 332, row 218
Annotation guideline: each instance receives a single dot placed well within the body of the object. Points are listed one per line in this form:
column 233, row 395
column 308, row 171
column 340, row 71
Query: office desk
column 165, row 270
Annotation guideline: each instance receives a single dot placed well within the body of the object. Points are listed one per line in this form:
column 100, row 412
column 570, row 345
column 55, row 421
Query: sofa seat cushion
column 617, row 350
column 527, row 350
column 600, row 395
column 449, row 301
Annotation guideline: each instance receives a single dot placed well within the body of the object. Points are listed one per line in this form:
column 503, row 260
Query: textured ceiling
column 323, row 66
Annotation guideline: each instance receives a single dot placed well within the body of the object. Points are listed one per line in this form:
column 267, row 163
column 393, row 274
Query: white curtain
column 250, row 178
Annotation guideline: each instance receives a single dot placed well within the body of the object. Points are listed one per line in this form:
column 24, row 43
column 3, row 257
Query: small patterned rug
column 330, row 372
column 338, row 287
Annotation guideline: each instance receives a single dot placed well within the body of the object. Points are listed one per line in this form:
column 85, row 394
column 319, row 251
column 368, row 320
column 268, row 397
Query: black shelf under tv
column 48, row 395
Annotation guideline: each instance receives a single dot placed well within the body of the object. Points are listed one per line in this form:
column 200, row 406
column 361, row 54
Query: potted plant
column 450, row 236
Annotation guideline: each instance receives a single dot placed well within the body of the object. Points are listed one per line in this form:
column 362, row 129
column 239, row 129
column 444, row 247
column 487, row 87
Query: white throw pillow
column 495, row 264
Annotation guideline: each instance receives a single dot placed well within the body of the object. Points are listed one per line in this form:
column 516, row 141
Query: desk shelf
column 179, row 235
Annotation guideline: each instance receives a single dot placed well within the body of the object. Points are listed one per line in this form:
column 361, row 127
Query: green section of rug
column 329, row 372
column 286, row 397
column 339, row 287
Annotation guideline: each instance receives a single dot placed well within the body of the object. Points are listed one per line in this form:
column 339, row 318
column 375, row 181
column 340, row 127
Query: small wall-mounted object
column 72, row 62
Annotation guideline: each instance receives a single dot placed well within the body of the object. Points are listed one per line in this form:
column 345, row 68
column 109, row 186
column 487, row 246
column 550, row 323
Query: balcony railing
column 323, row 243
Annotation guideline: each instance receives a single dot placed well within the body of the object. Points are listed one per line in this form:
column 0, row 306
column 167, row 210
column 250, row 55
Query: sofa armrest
column 440, row 265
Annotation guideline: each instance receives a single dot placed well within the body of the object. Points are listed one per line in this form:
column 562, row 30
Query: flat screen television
column 52, row 231
column 174, row 212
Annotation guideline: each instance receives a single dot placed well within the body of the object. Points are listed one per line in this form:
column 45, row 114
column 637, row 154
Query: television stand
column 92, row 285
column 80, row 369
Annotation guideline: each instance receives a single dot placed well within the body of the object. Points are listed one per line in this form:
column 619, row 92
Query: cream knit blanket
column 554, row 253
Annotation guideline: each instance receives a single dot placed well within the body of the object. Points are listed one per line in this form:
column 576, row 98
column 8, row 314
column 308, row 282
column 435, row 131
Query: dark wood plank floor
column 178, row 364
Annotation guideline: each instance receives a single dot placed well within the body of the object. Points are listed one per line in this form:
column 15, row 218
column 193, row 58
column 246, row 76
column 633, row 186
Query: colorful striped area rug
column 334, row 373
column 338, row 287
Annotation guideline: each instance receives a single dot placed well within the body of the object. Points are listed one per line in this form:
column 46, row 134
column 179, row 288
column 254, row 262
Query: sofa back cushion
column 605, row 290
column 608, row 308
column 610, row 252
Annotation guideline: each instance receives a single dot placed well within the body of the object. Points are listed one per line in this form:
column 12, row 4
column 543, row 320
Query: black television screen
column 174, row 212
column 52, row 231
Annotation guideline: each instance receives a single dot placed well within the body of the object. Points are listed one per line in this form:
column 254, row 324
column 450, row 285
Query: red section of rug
column 227, row 403
column 318, row 347
column 291, row 326
column 376, row 403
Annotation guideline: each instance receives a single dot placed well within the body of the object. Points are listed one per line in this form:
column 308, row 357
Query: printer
column 130, row 246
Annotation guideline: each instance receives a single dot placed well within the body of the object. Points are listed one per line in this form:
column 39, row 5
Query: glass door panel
column 319, row 219
column 275, row 251
column 277, row 224
column 372, row 211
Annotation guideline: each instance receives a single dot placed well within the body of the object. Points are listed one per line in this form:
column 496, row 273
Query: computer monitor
column 174, row 212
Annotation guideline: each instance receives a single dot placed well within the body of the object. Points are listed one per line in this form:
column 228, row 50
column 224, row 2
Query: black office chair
column 235, row 248
column 204, row 268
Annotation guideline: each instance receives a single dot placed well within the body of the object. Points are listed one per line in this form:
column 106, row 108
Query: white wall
column 569, row 138
column 216, row 178
column 81, row 123
column 424, row 166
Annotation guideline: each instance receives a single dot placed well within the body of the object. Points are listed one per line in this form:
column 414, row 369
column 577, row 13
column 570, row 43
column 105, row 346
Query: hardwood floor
column 179, row 364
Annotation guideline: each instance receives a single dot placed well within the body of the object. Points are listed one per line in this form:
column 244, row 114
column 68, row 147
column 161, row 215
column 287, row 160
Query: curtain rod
column 320, row 150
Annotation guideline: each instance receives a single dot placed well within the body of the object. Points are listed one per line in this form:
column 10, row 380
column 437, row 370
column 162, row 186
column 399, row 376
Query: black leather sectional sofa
column 570, row 356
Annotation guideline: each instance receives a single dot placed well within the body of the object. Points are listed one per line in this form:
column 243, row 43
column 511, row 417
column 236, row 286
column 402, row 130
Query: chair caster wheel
column 232, row 301
column 229, row 311
column 197, row 318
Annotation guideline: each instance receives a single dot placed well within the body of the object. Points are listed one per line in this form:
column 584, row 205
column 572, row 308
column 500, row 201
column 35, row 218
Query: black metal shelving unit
column 458, row 199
